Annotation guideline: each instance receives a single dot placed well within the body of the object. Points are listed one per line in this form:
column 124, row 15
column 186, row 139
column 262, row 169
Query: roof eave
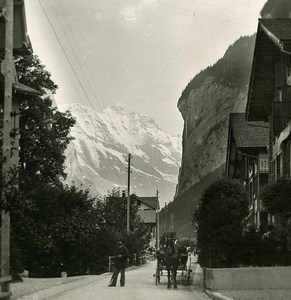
column 252, row 148
column 251, row 78
column 26, row 90
column 272, row 37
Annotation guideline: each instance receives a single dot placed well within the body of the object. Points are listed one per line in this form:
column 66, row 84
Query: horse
column 171, row 261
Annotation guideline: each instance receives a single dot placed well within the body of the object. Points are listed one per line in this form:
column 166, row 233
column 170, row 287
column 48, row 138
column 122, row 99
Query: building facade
column 149, row 214
column 247, row 161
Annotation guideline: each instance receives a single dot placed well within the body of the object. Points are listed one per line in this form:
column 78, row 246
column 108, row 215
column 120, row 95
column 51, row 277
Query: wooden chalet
column 269, row 97
column 247, row 160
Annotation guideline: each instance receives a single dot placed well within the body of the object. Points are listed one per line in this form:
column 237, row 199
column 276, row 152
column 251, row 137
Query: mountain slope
column 97, row 158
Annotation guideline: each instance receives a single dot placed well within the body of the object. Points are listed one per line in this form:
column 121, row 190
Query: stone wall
column 252, row 278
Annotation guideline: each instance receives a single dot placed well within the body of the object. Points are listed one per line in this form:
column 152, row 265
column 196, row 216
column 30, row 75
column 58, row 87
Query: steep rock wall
column 206, row 116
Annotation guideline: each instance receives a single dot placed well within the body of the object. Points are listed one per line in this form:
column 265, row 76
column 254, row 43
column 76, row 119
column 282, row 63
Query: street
column 140, row 285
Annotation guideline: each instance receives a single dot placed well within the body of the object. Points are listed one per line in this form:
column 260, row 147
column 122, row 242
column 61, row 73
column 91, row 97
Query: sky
column 140, row 54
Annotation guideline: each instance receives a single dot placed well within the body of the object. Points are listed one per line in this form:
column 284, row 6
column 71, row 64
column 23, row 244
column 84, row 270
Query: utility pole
column 166, row 217
column 128, row 196
column 172, row 222
column 158, row 222
column 8, row 71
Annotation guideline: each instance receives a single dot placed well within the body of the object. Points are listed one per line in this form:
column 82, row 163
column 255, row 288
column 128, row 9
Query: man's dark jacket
column 121, row 257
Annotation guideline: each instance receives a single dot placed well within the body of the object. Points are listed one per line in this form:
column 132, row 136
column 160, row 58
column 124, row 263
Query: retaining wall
column 247, row 278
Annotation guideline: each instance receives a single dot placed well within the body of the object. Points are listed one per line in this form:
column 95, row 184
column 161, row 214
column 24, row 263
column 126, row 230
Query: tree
column 41, row 156
column 115, row 212
column 56, row 232
column 218, row 219
column 276, row 9
column 42, row 151
column 276, row 198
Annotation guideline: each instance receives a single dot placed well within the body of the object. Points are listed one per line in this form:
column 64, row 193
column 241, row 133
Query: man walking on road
column 119, row 265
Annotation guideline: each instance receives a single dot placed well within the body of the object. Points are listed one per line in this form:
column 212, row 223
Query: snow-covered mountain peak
column 97, row 157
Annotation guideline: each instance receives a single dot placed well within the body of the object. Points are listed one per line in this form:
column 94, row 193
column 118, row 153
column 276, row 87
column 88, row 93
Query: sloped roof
column 150, row 201
column 253, row 134
column 273, row 38
column 24, row 89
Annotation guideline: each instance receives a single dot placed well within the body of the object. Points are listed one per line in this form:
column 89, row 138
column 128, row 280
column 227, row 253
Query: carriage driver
column 177, row 246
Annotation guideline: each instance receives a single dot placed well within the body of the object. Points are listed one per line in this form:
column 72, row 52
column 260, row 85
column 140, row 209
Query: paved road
column 140, row 285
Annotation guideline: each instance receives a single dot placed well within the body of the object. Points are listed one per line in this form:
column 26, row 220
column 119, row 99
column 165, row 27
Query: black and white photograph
column 145, row 149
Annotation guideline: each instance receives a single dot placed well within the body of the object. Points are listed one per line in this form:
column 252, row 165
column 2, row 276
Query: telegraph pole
column 158, row 222
column 8, row 72
column 172, row 222
column 128, row 196
column 166, row 217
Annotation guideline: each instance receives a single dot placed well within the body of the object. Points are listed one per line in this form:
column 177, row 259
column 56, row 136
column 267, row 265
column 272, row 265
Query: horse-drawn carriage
column 171, row 261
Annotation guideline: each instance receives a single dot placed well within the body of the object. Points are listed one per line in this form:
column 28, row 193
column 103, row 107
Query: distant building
column 149, row 213
column 247, row 161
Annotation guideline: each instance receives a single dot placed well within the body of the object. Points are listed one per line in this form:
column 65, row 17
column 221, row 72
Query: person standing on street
column 119, row 265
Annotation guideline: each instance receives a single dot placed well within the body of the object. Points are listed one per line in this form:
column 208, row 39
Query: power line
column 199, row 13
column 77, row 90
column 80, row 53
column 102, row 106
column 62, row 47
column 217, row 6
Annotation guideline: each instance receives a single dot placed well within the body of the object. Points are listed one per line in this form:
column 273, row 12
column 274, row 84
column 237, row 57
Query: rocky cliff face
column 205, row 106
column 206, row 116
column 97, row 157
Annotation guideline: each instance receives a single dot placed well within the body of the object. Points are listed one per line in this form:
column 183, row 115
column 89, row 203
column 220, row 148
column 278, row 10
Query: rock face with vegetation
column 205, row 105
